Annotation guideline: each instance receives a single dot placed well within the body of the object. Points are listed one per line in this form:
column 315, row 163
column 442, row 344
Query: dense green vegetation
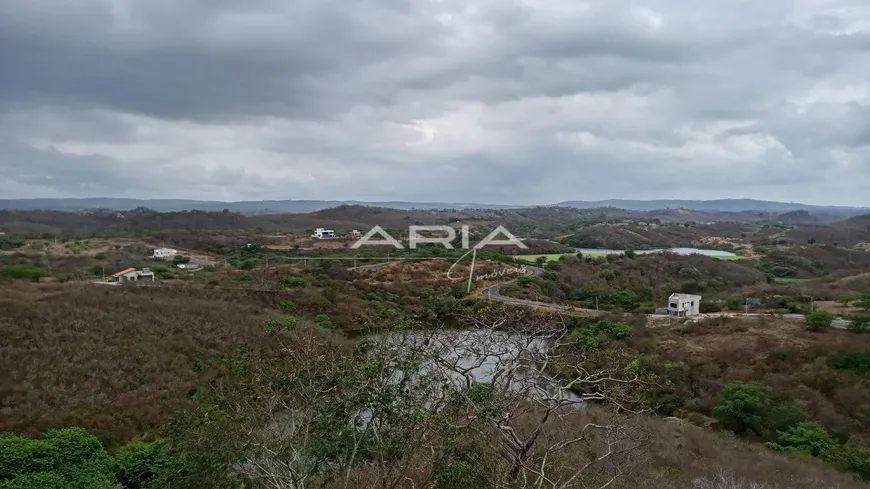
column 22, row 272
column 752, row 406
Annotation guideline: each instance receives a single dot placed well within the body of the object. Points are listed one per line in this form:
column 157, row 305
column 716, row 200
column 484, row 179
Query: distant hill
column 257, row 207
column 261, row 207
column 721, row 205
column 798, row 217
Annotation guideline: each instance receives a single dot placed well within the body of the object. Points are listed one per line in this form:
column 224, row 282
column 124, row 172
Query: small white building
column 165, row 253
column 684, row 305
column 321, row 233
column 133, row 275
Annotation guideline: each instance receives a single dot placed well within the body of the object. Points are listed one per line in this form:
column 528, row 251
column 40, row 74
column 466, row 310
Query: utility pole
column 471, row 272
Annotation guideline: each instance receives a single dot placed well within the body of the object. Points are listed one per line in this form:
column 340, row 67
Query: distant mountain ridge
column 304, row 206
column 721, row 205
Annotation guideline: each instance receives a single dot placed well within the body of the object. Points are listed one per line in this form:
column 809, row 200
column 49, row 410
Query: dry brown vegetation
column 779, row 353
column 123, row 360
column 660, row 274
column 686, row 456
column 115, row 359
column 666, row 235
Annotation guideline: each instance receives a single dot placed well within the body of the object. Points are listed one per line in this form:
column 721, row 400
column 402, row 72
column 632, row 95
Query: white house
column 684, row 305
column 165, row 253
column 321, row 233
column 133, row 275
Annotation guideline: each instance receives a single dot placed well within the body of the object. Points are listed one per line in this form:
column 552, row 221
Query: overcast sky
column 493, row 101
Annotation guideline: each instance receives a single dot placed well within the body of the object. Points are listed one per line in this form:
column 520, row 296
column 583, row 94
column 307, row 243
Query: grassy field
column 556, row 256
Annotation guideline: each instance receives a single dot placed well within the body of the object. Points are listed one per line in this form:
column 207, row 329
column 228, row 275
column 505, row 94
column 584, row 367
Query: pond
column 679, row 251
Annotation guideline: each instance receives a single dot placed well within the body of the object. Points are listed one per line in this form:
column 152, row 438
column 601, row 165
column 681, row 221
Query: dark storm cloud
column 509, row 101
column 199, row 62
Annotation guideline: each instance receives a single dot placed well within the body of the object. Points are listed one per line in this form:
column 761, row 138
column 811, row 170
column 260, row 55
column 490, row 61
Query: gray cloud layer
column 512, row 101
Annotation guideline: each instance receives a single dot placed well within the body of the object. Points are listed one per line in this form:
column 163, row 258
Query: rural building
column 133, row 275
column 165, row 253
column 684, row 305
column 321, row 233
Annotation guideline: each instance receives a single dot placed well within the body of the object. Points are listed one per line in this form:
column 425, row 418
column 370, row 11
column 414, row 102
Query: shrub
column 782, row 417
column 163, row 273
column 708, row 307
column 809, row 438
column 139, row 463
column 294, row 282
column 287, row 305
column 10, row 243
column 819, row 320
column 626, row 300
column 743, row 406
column 22, row 272
column 290, row 322
column 859, row 323
column 850, row 458
column 597, row 334
column 856, row 361
column 324, row 322
column 271, row 326
column 69, row 458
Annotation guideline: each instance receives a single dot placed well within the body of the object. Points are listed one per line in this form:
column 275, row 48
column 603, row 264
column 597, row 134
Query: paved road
column 494, row 293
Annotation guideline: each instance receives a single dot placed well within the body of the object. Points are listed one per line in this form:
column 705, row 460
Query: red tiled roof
column 124, row 272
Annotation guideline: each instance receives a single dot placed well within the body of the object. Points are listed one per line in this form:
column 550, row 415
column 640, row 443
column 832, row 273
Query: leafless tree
column 528, row 395
column 386, row 414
